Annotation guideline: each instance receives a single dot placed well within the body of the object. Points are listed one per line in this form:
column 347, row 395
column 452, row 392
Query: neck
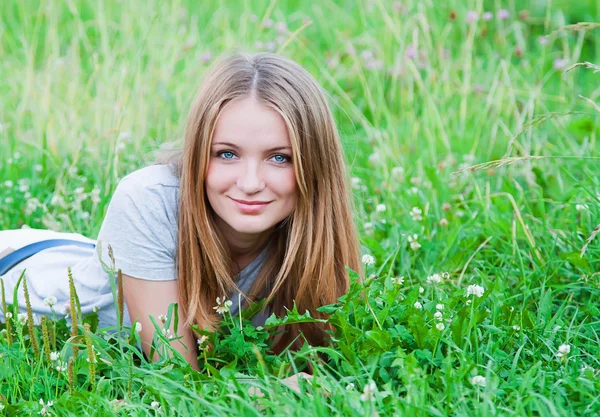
column 243, row 248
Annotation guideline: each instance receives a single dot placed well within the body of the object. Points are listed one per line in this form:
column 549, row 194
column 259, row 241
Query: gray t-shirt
column 141, row 227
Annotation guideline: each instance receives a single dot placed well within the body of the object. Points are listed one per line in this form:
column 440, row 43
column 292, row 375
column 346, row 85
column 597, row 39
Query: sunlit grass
column 472, row 153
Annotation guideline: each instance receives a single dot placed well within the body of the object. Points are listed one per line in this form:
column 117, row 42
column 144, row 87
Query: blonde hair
column 309, row 250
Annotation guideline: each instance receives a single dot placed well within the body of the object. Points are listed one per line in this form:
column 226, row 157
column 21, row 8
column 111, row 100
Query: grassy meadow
column 471, row 136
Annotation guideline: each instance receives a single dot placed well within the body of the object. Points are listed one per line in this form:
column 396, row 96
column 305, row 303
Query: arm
column 146, row 298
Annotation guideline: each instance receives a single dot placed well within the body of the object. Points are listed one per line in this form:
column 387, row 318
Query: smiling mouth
column 252, row 208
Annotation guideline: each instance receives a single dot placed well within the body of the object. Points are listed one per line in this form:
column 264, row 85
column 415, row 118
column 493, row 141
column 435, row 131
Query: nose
column 250, row 180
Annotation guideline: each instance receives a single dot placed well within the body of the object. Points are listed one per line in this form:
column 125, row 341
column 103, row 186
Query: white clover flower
column 439, row 306
column 369, row 392
column 61, row 366
column 44, row 411
column 50, row 301
column 475, row 290
column 397, row 280
column 398, row 173
column 368, row 260
column 438, row 315
column 416, row 214
column 444, row 222
column 418, row 305
column 421, row 290
column 435, row 278
column 22, row 318
column 368, row 226
column 374, row 157
column 563, row 350
column 8, row 184
column 54, row 356
column 355, row 182
column 478, row 381
column 155, row 405
column 222, row 307
column 414, row 245
column 138, row 327
column 201, row 340
column 516, row 327
column 380, row 208
column 66, row 309
column 8, row 315
column 414, row 190
column 440, row 326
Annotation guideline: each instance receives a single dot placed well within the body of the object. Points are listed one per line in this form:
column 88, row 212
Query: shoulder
column 153, row 176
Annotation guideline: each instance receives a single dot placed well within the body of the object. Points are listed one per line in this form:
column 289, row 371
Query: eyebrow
column 233, row 145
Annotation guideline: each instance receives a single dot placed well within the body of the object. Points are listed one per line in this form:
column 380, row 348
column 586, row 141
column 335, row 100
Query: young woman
column 256, row 203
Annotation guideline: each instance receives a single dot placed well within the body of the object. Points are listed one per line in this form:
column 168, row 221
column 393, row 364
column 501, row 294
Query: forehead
column 246, row 122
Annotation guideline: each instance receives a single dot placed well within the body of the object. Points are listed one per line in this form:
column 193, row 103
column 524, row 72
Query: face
column 250, row 163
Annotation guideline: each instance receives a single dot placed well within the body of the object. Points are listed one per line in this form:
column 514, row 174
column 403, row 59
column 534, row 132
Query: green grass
column 90, row 90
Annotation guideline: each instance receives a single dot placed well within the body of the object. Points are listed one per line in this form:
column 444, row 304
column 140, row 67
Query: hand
column 291, row 382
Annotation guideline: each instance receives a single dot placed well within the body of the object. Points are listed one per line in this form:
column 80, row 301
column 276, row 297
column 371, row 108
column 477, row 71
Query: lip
column 250, row 207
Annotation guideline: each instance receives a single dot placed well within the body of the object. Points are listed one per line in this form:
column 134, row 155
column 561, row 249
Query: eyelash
column 220, row 153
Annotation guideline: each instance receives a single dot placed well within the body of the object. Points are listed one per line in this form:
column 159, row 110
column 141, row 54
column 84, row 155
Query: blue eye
column 225, row 153
column 282, row 160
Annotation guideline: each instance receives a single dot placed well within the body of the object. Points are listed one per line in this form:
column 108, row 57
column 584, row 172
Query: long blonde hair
column 309, row 250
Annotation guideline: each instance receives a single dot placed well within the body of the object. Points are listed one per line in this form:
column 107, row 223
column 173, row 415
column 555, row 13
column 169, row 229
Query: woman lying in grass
column 255, row 204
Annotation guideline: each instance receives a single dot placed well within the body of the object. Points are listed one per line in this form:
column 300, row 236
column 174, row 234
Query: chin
column 250, row 226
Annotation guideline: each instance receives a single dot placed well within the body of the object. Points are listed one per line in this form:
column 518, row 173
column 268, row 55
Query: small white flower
column 22, row 318
column 54, row 356
column 50, row 301
column 478, row 381
column 438, row 315
column 397, row 171
column 397, row 280
column 8, row 184
column 368, row 226
column 421, row 290
column 416, row 214
column 138, row 327
column 1, row 407
column 440, row 326
column 162, row 318
column 155, row 405
column 369, row 392
column 201, row 340
column 8, row 315
column 350, row 387
column 435, row 278
column 418, row 305
column 61, row 366
column 516, row 327
column 374, row 157
column 223, row 307
column 563, row 350
column 468, row 302
column 439, row 306
column 581, row 207
column 380, row 208
column 368, row 260
column 476, row 290
column 414, row 245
